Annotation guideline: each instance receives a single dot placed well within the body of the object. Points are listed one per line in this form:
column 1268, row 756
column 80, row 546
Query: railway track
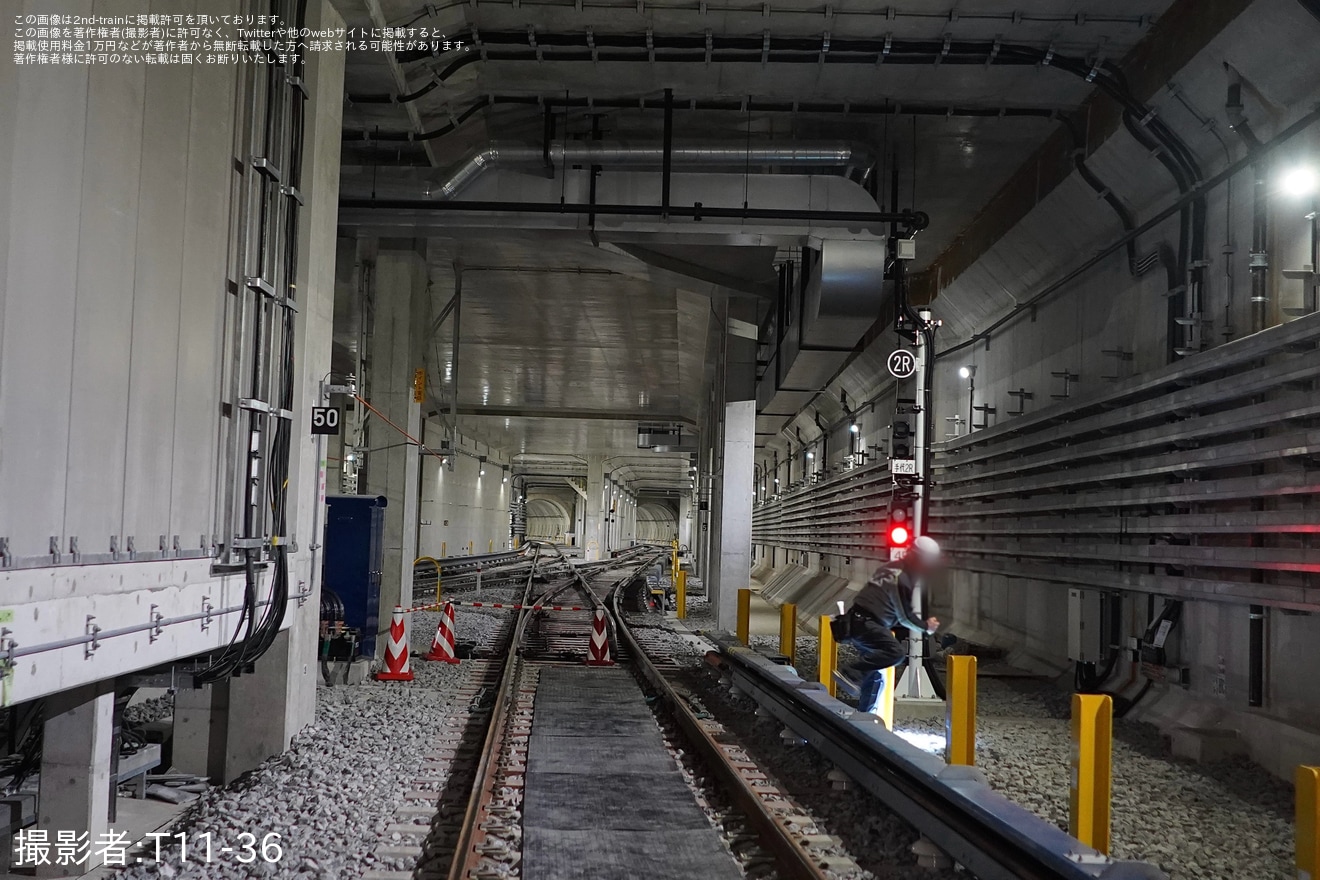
column 533, row 786
column 511, row 830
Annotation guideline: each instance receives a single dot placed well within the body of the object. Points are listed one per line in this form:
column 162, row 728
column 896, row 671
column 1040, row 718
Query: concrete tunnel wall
column 1108, row 309
column 462, row 511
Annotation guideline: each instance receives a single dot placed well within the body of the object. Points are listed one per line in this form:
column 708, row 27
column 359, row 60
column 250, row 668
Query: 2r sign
column 901, row 363
column 325, row 420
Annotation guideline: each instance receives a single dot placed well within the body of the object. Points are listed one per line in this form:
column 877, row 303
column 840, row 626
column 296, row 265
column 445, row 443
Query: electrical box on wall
column 1085, row 626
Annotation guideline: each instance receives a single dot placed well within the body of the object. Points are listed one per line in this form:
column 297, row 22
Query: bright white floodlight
column 1298, row 182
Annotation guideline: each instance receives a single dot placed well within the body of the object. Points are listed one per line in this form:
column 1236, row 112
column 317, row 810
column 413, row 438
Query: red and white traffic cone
column 442, row 646
column 599, row 653
column 396, row 651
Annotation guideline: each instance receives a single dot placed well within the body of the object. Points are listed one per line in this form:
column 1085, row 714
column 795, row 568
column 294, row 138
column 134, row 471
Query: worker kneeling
column 883, row 605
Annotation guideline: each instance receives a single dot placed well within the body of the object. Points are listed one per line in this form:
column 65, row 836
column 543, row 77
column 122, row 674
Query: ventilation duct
column 618, row 154
column 819, row 324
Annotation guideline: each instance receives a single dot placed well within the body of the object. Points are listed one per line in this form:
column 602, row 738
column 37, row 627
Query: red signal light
column 898, row 536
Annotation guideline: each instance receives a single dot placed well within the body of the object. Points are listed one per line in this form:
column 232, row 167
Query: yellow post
column 1307, row 781
column 490, row 548
column 745, row 616
column 828, row 654
column 886, row 706
column 788, row 632
column 674, row 569
column 1091, row 774
column 960, row 718
column 680, row 595
column 444, row 550
column 470, row 543
column 436, row 563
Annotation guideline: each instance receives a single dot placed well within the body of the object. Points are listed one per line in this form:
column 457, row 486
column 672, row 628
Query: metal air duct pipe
column 622, row 154
column 1260, row 224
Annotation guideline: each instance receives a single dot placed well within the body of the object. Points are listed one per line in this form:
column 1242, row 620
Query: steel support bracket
column 207, row 616
column 265, row 168
column 156, row 628
column 7, row 648
column 260, row 285
column 94, row 632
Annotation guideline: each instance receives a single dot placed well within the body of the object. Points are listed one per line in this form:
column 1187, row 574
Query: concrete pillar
column 395, row 470
column 75, row 769
column 730, row 549
column 201, row 730
column 731, row 565
column 593, row 520
column 685, row 524
column 253, row 736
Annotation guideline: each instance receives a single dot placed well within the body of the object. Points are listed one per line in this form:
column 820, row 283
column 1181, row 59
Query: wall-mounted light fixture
column 968, row 372
column 1299, row 181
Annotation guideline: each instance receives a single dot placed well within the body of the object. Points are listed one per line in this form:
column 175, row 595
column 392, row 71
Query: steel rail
column 491, row 751
column 990, row 836
column 465, row 854
column 792, row 859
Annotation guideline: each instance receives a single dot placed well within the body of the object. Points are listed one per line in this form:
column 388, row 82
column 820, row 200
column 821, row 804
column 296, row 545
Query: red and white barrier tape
column 435, row 606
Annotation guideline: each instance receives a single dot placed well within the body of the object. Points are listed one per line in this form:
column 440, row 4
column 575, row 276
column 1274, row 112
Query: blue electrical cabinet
column 354, row 552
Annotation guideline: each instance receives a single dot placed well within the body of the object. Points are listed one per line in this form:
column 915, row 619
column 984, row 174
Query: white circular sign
column 902, row 363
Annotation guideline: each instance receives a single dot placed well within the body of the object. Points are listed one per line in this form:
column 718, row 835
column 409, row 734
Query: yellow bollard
column 788, row 632
column 680, row 595
column 443, row 550
column 490, row 547
column 827, row 655
column 1091, row 776
column 745, row 616
column 886, row 706
column 436, row 563
column 960, row 711
column 470, row 543
column 1307, row 781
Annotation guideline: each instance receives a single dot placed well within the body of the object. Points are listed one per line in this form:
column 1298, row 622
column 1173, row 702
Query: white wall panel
column 106, row 254
column 8, row 134
column 39, row 306
column 201, row 300
column 462, row 509
column 154, row 343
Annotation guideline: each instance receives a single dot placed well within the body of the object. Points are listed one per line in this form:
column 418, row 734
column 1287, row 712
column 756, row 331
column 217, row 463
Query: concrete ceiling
column 566, row 345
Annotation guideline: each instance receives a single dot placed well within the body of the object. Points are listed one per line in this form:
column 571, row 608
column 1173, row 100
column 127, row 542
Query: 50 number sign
column 325, row 420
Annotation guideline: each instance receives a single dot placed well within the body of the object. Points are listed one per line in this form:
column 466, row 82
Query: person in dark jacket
column 883, row 605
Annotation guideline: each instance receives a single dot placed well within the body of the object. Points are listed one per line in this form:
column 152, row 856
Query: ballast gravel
column 1225, row 821
column 332, row 794
column 1222, row 821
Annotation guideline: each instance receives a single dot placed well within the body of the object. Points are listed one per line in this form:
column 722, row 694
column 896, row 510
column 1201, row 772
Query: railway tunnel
column 451, row 439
